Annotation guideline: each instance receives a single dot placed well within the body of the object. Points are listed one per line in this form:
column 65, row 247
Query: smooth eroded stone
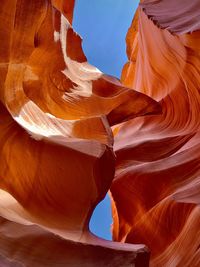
column 31, row 246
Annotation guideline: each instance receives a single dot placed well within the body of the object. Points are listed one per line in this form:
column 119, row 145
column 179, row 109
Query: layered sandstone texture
column 69, row 133
column 56, row 142
column 156, row 190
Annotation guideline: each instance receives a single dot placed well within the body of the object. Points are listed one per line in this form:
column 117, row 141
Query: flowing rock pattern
column 56, row 142
column 31, row 246
column 156, row 190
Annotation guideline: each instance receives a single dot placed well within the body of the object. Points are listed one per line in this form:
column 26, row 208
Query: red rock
column 156, row 187
column 56, row 112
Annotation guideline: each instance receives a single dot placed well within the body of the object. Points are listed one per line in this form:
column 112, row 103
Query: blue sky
column 103, row 25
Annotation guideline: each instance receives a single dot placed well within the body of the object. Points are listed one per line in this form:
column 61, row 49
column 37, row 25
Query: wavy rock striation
column 156, row 190
column 56, row 142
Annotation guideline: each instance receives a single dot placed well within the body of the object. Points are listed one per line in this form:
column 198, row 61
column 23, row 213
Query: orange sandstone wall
column 156, row 190
column 56, row 143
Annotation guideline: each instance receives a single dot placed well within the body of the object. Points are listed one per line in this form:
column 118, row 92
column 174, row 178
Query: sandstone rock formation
column 56, row 143
column 58, row 156
column 156, row 190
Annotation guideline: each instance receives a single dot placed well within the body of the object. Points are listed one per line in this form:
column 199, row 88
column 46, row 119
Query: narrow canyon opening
column 103, row 25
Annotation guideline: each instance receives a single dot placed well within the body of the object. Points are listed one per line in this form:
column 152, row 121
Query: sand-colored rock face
column 156, row 192
column 56, row 142
column 32, row 246
column 58, row 157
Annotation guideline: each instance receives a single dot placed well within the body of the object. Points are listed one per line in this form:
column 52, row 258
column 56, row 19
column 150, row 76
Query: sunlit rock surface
column 56, row 142
column 156, row 190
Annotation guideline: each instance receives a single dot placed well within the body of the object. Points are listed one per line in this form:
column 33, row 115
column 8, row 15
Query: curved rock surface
column 56, row 142
column 156, row 192
column 58, row 115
